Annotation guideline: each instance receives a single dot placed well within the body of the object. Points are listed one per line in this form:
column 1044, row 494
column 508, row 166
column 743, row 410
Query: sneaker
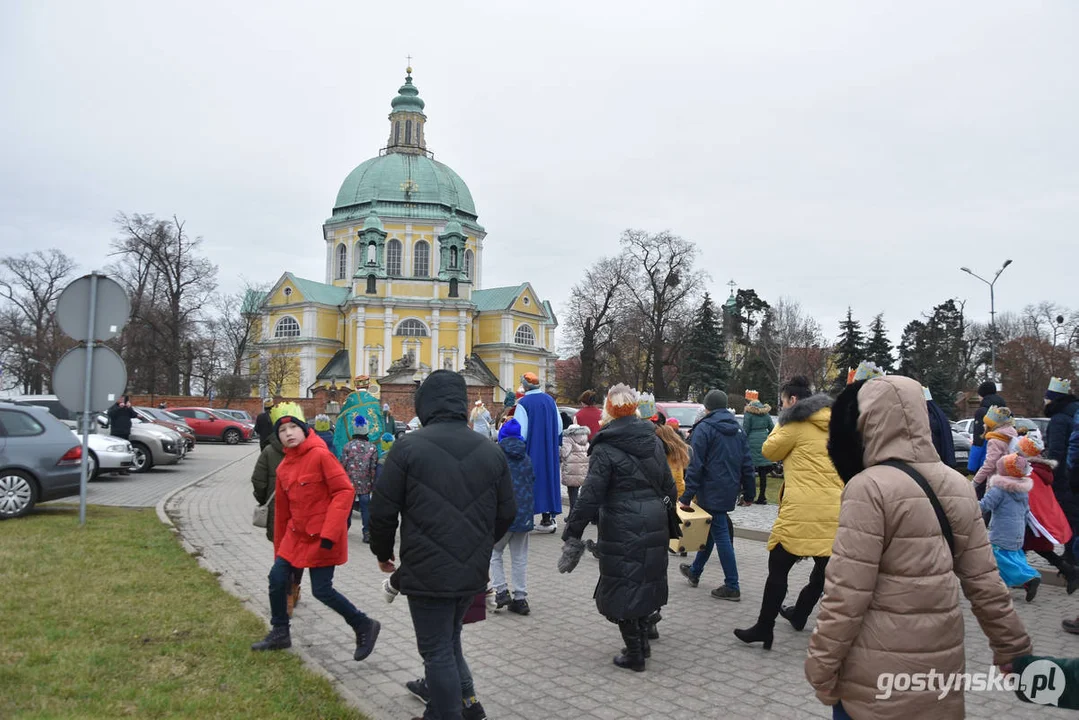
column 687, row 570
column 1031, row 587
column 389, row 593
column 519, row 606
column 502, row 599
column 744, row 503
column 419, row 690
column 366, row 635
column 549, row 528
column 762, row 501
column 474, row 711
column 277, row 639
column 1070, row 626
column 491, row 599
column 725, row 593
column 367, row 538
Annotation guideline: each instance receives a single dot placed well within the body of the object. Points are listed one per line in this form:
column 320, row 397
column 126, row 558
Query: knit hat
column 510, row 428
column 998, row 416
column 629, row 401
column 673, row 422
column 987, row 388
column 646, row 405
column 715, row 400
column 1013, row 465
column 387, row 438
column 1058, row 388
column 288, row 412
column 752, row 395
column 866, row 370
column 322, row 423
column 359, row 425
column 267, row 403
column 530, row 381
column 1026, row 446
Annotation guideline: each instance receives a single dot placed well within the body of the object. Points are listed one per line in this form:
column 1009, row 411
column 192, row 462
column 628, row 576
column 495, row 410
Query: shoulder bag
column 942, row 518
column 261, row 516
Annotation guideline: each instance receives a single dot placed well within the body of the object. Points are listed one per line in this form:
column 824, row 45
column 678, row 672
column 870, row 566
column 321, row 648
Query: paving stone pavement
column 556, row 663
column 146, row 489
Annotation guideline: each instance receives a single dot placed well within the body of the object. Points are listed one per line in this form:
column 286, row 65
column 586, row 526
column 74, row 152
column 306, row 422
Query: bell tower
column 407, row 120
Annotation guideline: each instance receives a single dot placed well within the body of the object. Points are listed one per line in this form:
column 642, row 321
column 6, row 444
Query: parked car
column 684, row 412
column 39, row 459
column 962, row 444
column 52, row 405
column 1026, row 426
column 239, row 416
column 571, row 411
column 152, row 444
column 106, row 454
column 168, row 420
column 209, row 425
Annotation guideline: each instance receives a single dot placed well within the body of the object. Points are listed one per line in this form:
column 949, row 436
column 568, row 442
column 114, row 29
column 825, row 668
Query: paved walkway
column 556, row 663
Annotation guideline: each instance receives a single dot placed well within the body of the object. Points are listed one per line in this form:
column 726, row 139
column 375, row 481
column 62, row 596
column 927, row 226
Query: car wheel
column 143, row 459
column 18, row 493
column 92, row 468
column 231, row 437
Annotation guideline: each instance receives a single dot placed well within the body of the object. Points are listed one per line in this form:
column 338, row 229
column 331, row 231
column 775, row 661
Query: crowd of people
column 869, row 494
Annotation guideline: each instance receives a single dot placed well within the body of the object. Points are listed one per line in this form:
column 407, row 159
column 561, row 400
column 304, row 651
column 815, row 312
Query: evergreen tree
column 879, row 347
column 850, row 350
column 706, row 368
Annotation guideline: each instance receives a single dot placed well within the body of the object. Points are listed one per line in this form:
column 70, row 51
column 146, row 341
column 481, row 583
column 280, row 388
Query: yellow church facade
column 403, row 285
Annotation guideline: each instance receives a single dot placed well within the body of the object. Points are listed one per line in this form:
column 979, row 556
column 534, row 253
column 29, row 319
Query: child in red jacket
column 313, row 499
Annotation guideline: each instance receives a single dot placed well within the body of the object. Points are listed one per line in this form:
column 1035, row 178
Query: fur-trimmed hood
column 803, row 410
column 577, row 433
column 1012, row 484
column 764, row 409
column 1051, row 464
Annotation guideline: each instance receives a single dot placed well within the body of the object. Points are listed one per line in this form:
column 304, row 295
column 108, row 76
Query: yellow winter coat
column 809, row 498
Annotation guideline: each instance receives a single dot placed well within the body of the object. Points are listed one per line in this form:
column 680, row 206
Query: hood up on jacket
column 722, row 420
column 877, row 420
column 1011, row 484
column 994, row 399
column 443, row 397
column 761, row 410
column 631, row 435
column 804, row 410
column 514, row 447
column 577, row 433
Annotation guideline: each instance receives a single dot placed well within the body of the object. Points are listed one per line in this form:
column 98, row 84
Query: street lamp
column 992, row 313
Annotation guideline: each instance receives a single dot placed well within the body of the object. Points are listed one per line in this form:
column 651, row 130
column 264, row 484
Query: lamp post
column 992, row 313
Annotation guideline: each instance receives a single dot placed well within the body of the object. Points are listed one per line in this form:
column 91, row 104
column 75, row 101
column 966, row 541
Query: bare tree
column 594, row 313
column 237, row 322
column 30, row 285
column 170, row 283
column 792, row 343
column 279, row 368
column 662, row 284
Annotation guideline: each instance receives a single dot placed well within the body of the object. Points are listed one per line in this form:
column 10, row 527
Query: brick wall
column 403, row 406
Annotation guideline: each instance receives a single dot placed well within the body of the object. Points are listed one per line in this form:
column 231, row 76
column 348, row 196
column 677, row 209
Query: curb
column 339, row 687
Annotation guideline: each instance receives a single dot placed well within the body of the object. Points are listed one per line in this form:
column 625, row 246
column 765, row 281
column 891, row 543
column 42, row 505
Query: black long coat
column 633, row 533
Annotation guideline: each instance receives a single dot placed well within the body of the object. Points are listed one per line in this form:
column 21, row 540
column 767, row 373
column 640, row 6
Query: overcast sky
column 843, row 153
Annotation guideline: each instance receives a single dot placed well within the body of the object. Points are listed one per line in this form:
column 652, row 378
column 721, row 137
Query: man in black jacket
column 264, row 425
column 452, row 490
column 988, row 392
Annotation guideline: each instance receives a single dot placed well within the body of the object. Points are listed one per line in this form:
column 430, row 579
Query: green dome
column 372, row 222
column 384, row 179
column 408, row 98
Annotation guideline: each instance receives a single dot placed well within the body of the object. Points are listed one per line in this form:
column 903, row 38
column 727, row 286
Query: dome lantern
column 407, row 120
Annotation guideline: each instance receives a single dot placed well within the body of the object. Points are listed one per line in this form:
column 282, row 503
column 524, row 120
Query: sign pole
column 84, row 474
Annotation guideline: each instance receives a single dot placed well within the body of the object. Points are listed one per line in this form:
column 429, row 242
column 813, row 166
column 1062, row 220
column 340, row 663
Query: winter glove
column 326, row 544
column 572, row 550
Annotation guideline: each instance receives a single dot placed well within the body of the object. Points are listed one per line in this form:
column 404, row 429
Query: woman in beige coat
column 891, row 600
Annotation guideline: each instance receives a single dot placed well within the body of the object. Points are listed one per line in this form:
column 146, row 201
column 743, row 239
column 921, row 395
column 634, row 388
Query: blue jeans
column 518, row 545
column 438, row 622
column 838, row 713
column 281, row 575
column 719, row 537
column 363, row 502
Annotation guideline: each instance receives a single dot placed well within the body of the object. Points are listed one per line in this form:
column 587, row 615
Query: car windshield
column 685, row 415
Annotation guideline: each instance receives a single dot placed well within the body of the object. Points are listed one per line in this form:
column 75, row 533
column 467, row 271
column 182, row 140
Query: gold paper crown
column 287, row 409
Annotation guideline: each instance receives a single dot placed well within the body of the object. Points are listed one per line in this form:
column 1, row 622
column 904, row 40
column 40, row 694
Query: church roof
column 319, row 292
column 503, row 298
column 337, row 368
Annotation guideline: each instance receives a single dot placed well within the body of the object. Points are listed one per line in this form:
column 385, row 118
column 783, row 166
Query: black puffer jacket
column 624, row 457
column 451, row 488
column 978, row 428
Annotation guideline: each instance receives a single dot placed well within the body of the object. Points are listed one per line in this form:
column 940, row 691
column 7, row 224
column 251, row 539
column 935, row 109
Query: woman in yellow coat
column 808, row 507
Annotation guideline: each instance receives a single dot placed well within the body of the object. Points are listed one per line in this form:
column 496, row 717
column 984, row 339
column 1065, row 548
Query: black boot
column 277, row 639
column 646, row 647
column 757, row 633
column 653, row 620
column 366, row 630
column 632, row 657
column 790, row 614
column 1071, row 575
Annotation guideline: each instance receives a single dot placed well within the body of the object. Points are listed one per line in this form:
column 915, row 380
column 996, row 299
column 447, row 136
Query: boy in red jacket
column 313, row 500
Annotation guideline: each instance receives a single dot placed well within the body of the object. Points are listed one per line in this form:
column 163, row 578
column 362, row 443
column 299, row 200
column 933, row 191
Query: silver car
column 39, row 459
column 107, row 454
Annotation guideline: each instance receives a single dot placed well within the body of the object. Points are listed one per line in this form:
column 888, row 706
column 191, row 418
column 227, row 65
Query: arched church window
column 470, row 260
column 421, row 260
column 453, row 258
column 371, row 289
column 286, row 327
column 342, row 262
column 525, row 335
column 411, row 327
column 393, row 258
column 453, row 288
column 408, row 132
column 396, row 132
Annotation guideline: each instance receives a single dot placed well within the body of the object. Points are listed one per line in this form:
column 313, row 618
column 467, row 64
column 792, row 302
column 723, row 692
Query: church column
column 358, row 359
column 387, row 337
column 462, row 349
column 435, row 364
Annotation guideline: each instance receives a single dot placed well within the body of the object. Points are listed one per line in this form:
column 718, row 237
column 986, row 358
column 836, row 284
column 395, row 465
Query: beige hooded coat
column 891, row 596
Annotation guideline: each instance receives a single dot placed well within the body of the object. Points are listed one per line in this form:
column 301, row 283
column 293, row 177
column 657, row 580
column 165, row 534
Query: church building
column 403, row 291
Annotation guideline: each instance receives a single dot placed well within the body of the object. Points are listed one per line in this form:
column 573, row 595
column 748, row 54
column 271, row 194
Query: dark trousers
column 780, row 563
column 573, row 493
column 762, row 480
column 438, row 622
column 838, row 713
column 282, row 575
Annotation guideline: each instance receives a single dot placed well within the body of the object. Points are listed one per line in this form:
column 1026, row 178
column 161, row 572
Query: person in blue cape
column 541, row 429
